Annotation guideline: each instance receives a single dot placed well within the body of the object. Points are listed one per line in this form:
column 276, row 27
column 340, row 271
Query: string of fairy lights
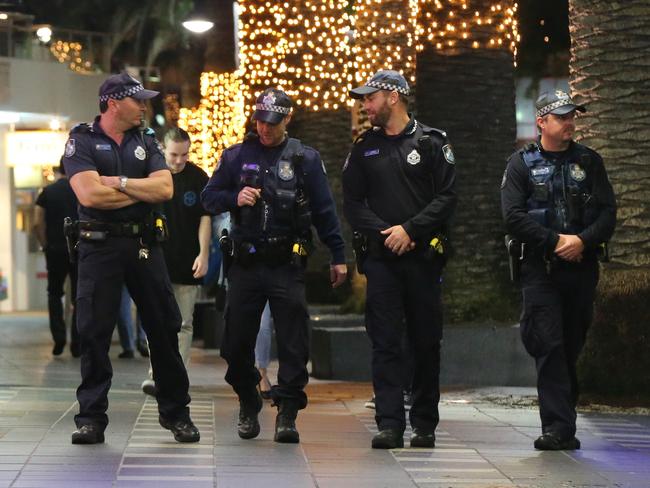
column 219, row 121
column 316, row 50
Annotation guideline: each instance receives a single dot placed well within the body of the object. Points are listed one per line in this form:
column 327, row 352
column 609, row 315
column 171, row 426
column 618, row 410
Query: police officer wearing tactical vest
column 399, row 195
column 274, row 188
column 559, row 209
column 118, row 173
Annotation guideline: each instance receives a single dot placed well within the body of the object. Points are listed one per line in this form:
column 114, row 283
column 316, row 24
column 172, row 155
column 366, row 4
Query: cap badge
column 561, row 95
column 140, row 153
column 577, row 173
column 70, row 148
column 413, row 157
column 269, row 99
column 285, row 170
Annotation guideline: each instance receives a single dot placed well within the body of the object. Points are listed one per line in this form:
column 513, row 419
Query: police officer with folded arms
column 399, row 195
column 275, row 188
column 118, row 173
column 559, row 210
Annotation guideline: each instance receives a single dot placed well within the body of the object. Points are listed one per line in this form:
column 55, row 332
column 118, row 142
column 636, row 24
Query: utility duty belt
column 153, row 229
column 273, row 251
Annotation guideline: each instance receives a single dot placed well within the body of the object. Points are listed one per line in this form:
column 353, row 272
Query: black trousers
column 103, row 268
column 557, row 313
column 58, row 268
column 248, row 290
column 402, row 292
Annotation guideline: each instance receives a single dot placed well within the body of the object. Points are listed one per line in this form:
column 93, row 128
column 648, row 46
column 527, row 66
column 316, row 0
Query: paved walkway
column 480, row 443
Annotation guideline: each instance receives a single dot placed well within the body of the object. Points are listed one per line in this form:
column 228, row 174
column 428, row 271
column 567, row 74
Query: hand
column 338, row 274
column 200, row 266
column 569, row 247
column 110, row 181
column 397, row 240
column 248, row 196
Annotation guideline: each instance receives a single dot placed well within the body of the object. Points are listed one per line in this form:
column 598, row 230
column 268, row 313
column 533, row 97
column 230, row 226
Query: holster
column 515, row 249
column 71, row 233
column 360, row 247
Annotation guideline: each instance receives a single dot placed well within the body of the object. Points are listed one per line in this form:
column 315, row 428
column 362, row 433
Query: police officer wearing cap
column 399, row 195
column 559, row 209
column 275, row 188
column 118, row 173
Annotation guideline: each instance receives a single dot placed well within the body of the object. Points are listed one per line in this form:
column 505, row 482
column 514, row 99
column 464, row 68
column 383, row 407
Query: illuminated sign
column 34, row 148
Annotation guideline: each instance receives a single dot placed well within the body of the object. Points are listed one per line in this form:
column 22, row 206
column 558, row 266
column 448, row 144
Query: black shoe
column 143, row 348
column 58, row 348
column 75, row 350
column 370, row 403
column 423, row 438
column 184, row 430
column 285, row 423
column 553, row 442
column 388, row 439
column 88, row 434
column 126, row 354
column 248, row 426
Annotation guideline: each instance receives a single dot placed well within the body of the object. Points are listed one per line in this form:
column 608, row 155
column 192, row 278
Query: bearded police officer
column 274, row 188
column 118, row 172
column 399, row 195
column 560, row 210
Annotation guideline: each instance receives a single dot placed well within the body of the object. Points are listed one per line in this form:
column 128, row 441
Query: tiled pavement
column 480, row 444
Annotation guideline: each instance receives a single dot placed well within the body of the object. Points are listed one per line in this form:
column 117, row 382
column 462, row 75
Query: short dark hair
column 176, row 134
column 103, row 106
column 405, row 99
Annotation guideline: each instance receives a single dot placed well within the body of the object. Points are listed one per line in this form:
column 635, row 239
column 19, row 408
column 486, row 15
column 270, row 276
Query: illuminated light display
column 219, row 120
column 70, row 53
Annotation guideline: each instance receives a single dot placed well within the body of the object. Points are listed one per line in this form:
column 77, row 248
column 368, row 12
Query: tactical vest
column 561, row 196
column 283, row 210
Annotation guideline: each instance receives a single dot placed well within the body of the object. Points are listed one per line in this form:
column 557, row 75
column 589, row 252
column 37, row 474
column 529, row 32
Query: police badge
column 413, row 157
column 285, row 170
column 577, row 173
column 140, row 153
column 269, row 99
column 70, row 148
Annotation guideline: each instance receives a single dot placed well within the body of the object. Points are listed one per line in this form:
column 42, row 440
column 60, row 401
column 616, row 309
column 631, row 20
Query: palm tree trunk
column 610, row 74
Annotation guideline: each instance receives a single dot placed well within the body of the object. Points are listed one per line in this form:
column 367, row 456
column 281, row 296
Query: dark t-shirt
column 184, row 212
column 59, row 201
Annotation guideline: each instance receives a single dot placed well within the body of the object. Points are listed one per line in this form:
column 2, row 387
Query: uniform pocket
column 541, row 322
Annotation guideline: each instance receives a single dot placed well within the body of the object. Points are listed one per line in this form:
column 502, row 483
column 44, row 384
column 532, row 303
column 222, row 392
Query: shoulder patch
column 70, row 148
column 448, row 154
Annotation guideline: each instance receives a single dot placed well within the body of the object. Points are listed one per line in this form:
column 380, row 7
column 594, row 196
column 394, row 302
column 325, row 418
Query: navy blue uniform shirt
column 220, row 194
column 397, row 180
column 516, row 188
column 90, row 149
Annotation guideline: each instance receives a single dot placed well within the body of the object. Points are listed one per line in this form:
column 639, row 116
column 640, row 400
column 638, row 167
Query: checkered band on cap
column 552, row 106
column 382, row 85
column 272, row 108
column 123, row 94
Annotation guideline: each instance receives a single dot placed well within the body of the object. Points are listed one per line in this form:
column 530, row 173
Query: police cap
column 124, row 85
column 272, row 106
column 382, row 80
column 557, row 102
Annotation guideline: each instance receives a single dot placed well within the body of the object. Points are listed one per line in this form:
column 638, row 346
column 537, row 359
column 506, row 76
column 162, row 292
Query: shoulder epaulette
column 363, row 135
column 149, row 132
column 251, row 136
column 81, row 128
column 530, row 147
column 432, row 130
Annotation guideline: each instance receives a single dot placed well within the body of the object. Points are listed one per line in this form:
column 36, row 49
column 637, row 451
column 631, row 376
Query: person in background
column 188, row 248
column 56, row 202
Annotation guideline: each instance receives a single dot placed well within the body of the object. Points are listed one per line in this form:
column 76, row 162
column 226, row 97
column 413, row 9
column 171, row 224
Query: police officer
column 274, row 188
column 558, row 203
column 118, row 173
column 398, row 191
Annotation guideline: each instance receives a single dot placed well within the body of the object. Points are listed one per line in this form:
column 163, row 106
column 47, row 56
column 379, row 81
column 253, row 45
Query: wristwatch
column 123, row 180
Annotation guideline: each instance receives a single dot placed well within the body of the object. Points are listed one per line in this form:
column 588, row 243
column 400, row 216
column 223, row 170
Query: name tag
column 541, row 171
column 103, row 147
column 371, row 152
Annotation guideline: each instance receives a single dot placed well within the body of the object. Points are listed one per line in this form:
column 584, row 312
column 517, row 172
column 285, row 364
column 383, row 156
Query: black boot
column 285, row 422
column 249, row 407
